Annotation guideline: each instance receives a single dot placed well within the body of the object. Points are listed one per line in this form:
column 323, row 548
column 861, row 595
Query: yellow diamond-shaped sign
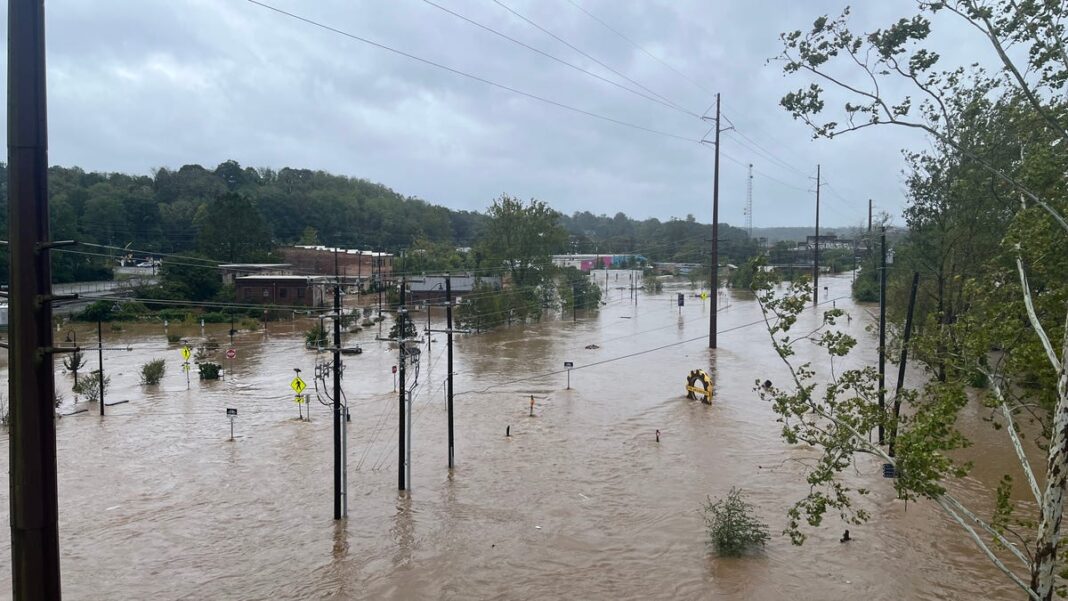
column 186, row 353
column 704, row 296
column 298, row 385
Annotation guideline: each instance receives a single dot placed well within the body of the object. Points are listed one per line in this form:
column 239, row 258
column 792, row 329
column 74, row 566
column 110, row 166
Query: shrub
column 174, row 338
column 732, row 528
column 173, row 314
column 209, row 371
column 152, row 372
column 315, row 337
column 90, row 387
column 215, row 317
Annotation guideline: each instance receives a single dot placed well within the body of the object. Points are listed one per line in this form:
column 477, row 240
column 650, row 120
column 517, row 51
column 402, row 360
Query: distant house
column 431, row 288
column 284, row 290
column 231, row 271
column 352, row 264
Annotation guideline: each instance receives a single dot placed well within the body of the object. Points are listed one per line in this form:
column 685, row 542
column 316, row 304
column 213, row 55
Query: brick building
column 280, row 290
column 352, row 264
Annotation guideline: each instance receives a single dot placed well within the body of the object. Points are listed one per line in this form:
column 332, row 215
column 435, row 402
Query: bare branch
column 1036, row 325
column 944, row 504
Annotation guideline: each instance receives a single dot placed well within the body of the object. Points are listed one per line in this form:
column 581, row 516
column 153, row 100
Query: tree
column 523, row 237
column 187, row 278
column 232, row 229
column 409, row 329
column 1012, row 296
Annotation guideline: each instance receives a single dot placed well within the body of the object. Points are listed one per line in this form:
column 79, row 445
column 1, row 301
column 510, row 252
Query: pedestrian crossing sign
column 298, row 385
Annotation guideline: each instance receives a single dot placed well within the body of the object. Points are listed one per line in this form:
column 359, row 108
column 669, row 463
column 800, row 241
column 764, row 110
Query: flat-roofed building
column 282, row 290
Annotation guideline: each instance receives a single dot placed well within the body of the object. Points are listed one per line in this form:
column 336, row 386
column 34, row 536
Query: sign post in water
column 186, row 354
column 231, row 413
column 568, row 365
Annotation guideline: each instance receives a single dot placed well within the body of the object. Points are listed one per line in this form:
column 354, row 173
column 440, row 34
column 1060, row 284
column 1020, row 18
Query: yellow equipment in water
column 699, row 383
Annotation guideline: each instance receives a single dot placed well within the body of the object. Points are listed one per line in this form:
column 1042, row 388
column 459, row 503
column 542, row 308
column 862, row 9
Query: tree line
column 194, row 210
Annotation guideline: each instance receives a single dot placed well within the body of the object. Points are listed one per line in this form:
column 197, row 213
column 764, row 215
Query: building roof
column 255, row 266
column 347, row 251
column 459, row 283
column 273, row 278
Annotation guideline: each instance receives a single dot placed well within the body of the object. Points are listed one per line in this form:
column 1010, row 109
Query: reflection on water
column 580, row 502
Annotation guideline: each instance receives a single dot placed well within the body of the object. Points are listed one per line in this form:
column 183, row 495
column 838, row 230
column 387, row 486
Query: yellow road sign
column 704, row 296
column 298, row 385
column 186, row 353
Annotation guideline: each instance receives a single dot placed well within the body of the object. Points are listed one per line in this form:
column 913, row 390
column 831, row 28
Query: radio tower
column 749, row 202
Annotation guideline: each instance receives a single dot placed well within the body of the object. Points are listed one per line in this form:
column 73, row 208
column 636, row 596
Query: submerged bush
column 90, row 387
column 209, row 371
column 732, row 528
column 152, row 372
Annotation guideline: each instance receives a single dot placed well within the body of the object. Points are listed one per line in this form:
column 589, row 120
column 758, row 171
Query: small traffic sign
column 186, row 353
column 231, row 411
column 394, row 369
column 704, row 295
column 298, row 385
column 231, row 353
column 569, row 364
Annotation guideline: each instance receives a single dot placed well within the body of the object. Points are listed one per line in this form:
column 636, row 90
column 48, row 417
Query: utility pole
column 100, row 359
column 338, row 457
column 448, row 391
column 715, row 240
column 574, row 302
column 749, row 202
column 816, row 256
column 34, row 513
column 401, row 363
column 882, row 335
column 904, row 360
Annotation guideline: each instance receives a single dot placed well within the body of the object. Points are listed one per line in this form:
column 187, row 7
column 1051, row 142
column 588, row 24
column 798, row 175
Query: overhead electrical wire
column 659, row 101
column 469, row 75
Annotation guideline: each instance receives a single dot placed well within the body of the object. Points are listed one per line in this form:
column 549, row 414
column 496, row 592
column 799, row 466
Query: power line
column 659, row 101
column 587, row 55
column 471, row 76
column 639, row 47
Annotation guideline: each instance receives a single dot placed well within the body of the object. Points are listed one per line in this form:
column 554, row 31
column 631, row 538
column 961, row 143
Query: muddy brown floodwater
column 579, row 503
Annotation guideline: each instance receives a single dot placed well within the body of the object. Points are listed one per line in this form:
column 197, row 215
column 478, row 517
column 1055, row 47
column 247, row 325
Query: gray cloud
column 134, row 86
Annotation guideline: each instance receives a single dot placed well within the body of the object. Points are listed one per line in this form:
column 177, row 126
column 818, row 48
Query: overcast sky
column 134, row 86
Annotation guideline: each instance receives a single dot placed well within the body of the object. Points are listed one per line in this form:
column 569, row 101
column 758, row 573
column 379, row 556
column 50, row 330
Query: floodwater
column 579, row 503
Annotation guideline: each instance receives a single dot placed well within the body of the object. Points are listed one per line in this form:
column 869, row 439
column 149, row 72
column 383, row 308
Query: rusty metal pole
column 32, row 441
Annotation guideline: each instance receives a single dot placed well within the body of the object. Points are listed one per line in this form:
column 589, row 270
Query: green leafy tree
column 523, row 237
column 987, row 216
column 732, row 527
column 232, row 229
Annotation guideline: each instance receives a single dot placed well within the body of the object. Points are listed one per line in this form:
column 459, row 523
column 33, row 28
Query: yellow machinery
column 699, row 383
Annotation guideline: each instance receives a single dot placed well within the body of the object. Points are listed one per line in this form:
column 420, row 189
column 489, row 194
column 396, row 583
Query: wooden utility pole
column 338, row 457
column 31, row 392
column 904, row 361
column 100, row 360
column 715, row 240
column 816, row 254
column 402, row 361
column 448, row 385
column 882, row 335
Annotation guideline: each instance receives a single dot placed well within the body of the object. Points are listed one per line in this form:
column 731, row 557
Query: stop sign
column 231, row 353
column 394, row 369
